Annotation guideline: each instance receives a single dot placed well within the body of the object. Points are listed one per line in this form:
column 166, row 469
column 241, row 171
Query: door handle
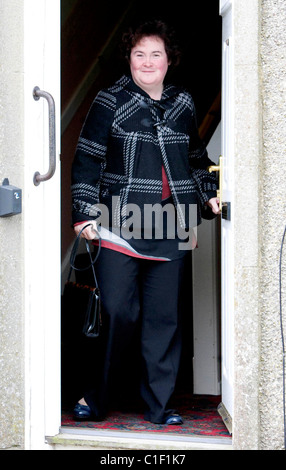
column 38, row 178
column 219, row 168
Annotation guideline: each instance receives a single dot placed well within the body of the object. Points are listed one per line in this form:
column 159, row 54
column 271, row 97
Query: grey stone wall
column 247, row 148
column 260, row 218
column 272, row 218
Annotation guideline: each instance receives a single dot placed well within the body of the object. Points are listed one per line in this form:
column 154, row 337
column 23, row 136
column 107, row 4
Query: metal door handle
column 219, row 168
column 38, row 178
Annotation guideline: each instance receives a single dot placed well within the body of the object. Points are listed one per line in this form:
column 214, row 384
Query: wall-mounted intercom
column 10, row 199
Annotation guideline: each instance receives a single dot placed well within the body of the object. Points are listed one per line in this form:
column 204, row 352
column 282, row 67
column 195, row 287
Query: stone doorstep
column 70, row 439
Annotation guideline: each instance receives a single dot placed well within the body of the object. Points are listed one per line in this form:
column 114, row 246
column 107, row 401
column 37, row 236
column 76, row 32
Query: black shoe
column 82, row 412
column 173, row 419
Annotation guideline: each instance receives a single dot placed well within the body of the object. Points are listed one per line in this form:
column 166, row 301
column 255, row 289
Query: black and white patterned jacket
column 125, row 140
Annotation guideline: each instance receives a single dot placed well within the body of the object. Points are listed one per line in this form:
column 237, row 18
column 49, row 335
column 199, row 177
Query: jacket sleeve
column 199, row 162
column 90, row 158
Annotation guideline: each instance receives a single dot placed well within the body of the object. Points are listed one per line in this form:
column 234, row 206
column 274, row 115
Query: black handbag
column 82, row 303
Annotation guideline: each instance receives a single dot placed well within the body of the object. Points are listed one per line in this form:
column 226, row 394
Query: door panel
column 206, row 333
column 227, row 225
column 42, row 224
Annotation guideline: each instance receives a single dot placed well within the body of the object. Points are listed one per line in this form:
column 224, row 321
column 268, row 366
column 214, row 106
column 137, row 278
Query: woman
column 139, row 148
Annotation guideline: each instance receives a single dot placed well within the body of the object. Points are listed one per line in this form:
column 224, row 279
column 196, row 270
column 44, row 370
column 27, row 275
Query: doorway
column 90, row 34
column 90, row 61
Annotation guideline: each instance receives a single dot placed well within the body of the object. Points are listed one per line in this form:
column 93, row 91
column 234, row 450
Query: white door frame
column 41, row 43
column 227, row 226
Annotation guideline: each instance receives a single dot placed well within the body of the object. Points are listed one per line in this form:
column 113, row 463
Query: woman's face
column 149, row 63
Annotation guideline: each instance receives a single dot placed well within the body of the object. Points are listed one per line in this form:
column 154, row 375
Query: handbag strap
column 92, row 261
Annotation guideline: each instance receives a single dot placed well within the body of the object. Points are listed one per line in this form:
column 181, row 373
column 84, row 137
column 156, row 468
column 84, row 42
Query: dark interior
column 91, row 32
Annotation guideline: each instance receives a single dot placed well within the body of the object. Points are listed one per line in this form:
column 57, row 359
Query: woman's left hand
column 214, row 205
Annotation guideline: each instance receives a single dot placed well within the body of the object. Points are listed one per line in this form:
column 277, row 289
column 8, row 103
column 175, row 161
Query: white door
column 41, row 212
column 206, row 311
column 227, row 225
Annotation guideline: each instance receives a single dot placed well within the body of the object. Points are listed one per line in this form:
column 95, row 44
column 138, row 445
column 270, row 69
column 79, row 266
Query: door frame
column 43, row 401
column 41, row 57
column 227, row 226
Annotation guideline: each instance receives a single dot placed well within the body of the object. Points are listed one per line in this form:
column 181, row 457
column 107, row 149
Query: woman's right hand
column 90, row 233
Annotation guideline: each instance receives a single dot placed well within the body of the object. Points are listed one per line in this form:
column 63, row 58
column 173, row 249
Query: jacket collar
column 169, row 91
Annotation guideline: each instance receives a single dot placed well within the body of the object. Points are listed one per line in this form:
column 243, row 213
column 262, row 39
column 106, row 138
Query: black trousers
column 137, row 291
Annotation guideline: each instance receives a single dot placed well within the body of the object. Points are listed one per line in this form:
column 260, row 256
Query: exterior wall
column 247, row 149
column 11, row 238
column 272, row 193
column 260, row 142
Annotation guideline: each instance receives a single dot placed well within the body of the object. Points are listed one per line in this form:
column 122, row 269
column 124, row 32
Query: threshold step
column 71, row 439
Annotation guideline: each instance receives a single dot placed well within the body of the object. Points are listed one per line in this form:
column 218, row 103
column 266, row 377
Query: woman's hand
column 90, row 233
column 214, row 205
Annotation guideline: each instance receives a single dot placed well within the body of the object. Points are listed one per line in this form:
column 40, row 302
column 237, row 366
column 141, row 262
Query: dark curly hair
column 152, row 28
